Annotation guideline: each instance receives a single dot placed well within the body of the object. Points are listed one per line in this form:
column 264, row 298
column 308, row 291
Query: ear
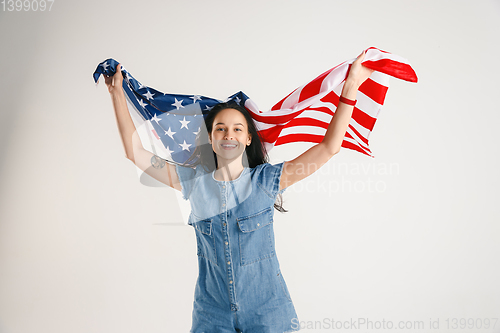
column 249, row 139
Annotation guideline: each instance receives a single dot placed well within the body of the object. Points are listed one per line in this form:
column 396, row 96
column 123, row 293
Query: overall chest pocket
column 255, row 236
column 205, row 238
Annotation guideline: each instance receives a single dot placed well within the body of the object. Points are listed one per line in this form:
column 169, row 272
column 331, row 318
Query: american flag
column 172, row 121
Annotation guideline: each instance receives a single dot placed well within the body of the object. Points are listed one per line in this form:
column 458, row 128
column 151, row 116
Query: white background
column 85, row 247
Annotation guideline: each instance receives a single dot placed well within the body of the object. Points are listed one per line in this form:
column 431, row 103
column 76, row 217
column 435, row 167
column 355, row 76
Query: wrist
column 117, row 92
column 350, row 89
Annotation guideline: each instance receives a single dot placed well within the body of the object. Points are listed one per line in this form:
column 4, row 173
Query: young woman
column 232, row 191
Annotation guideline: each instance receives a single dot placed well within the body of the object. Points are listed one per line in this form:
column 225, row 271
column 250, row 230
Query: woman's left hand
column 359, row 73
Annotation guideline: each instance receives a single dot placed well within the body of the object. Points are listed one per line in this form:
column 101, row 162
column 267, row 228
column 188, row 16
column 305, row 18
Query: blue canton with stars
column 176, row 119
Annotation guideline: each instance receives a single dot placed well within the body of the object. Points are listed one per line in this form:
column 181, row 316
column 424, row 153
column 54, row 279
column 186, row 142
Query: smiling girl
column 232, row 190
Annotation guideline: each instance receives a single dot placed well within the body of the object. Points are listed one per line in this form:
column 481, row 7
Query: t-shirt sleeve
column 270, row 177
column 186, row 177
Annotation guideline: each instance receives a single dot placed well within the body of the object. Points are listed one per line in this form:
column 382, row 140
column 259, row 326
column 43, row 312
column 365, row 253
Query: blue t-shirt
column 206, row 194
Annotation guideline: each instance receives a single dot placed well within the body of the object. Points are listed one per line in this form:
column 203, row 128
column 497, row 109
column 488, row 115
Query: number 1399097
column 27, row 5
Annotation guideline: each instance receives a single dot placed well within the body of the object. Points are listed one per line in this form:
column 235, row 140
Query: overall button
column 226, row 243
column 229, row 263
column 223, row 204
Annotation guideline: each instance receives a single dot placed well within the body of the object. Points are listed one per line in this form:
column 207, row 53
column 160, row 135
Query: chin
column 229, row 155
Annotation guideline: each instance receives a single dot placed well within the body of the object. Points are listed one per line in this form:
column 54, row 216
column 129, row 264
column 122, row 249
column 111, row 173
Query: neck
column 228, row 170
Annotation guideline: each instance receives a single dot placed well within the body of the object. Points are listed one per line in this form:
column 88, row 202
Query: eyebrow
column 223, row 124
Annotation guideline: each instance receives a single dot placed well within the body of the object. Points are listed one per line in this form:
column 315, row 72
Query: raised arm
column 153, row 165
column 313, row 158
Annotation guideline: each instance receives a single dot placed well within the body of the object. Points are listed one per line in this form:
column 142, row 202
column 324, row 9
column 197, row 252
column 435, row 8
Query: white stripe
column 356, row 137
column 335, row 77
column 356, row 143
column 292, row 100
column 303, row 130
column 380, row 78
column 375, row 55
column 317, row 115
column 363, row 131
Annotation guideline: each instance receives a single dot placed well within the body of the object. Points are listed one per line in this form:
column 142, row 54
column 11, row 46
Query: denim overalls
column 240, row 287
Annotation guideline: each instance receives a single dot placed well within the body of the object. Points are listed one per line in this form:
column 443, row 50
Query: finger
column 118, row 77
column 108, row 79
column 362, row 55
column 117, row 72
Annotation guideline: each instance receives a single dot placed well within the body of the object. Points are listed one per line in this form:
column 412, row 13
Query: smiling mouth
column 228, row 145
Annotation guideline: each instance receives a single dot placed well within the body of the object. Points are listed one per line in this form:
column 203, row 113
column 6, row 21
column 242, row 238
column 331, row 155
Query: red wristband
column 347, row 101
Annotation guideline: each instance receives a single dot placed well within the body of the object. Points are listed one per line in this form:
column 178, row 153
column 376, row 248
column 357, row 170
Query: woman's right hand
column 358, row 73
column 114, row 83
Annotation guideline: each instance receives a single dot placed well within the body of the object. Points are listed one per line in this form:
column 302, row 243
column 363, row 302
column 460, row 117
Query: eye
column 238, row 129
column 219, row 129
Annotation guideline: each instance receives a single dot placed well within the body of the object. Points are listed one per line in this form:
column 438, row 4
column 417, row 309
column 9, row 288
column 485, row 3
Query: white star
column 141, row 103
column 184, row 123
column 148, row 95
column 178, row 104
column 237, row 100
column 169, row 152
column 155, row 118
column 208, row 108
column 185, row 146
column 140, row 85
column 196, row 133
column 196, row 98
column 170, row 133
column 105, row 65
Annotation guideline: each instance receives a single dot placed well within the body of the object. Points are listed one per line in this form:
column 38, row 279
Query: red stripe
column 306, row 121
column 313, row 138
column 312, row 88
column 374, row 48
column 323, row 109
column 361, row 117
column 394, row 68
column 365, row 140
column 299, row 137
column 156, row 135
column 360, row 147
column 349, row 145
column 271, row 134
column 374, row 90
column 275, row 119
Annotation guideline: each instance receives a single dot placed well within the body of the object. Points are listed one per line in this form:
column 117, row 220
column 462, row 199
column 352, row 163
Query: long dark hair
column 256, row 152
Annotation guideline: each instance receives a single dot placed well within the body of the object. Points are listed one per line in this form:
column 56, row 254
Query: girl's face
column 229, row 134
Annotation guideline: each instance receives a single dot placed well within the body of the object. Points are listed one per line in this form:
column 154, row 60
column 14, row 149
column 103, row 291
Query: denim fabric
column 240, row 287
